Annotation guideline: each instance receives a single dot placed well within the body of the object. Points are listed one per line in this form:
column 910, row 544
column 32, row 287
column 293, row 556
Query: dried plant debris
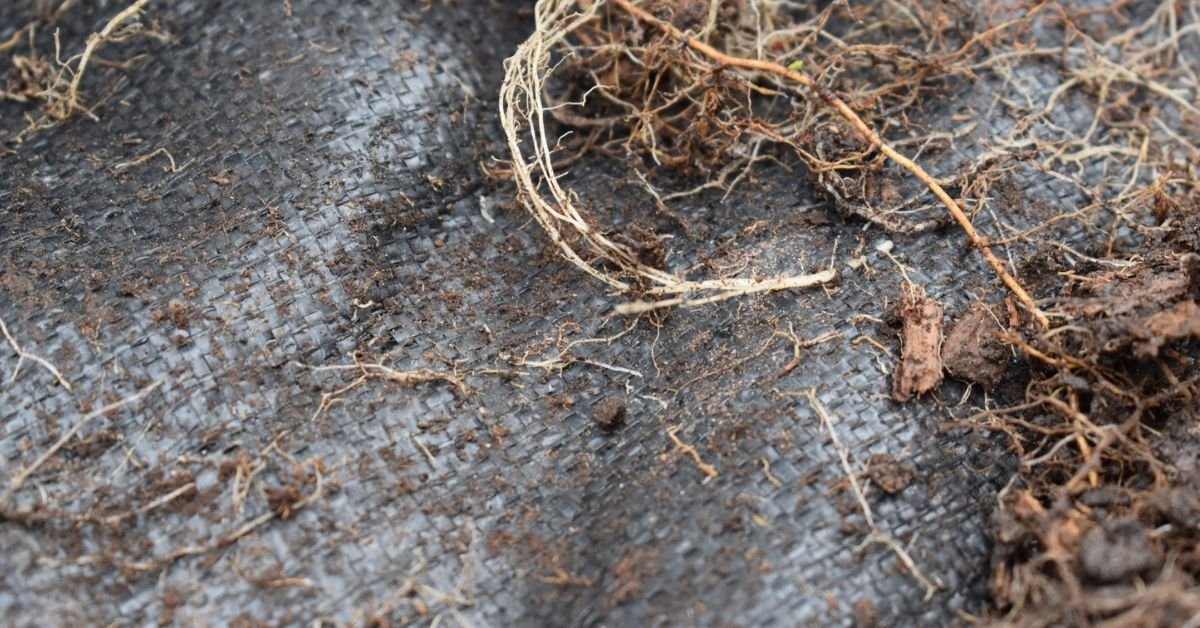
column 863, row 104
column 1100, row 331
column 1101, row 524
column 43, row 76
column 889, row 473
column 920, row 368
column 708, row 91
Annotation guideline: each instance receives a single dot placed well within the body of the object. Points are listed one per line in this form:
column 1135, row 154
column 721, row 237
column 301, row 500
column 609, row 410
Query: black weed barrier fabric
column 344, row 375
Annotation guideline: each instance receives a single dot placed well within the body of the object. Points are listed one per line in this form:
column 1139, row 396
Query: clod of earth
column 889, row 474
column 1177, row 323
column 864, row 613
column 973, row 352
column 1144, row 305
column 609, row 413
column 1116, row 551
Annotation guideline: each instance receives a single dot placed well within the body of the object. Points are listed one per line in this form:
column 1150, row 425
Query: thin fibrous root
column 876, row 536
column 707, row 469
column 872, row 138
column 19, row 479
column 67, row 103
column 60, row 94
column 23, row 354
column 556, row 209
column 737, row 288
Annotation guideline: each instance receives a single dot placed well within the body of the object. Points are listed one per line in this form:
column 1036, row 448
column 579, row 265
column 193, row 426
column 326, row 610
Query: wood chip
column 920, row 368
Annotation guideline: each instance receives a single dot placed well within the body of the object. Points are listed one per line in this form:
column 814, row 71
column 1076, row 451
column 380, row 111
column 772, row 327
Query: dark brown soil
column 1102, row 527
column 889, row 474
column 1099, row 524
column 973, row 351
column 609, row 413
column 865, row 615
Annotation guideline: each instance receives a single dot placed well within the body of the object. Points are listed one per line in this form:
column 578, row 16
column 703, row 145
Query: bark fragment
column 920, row 369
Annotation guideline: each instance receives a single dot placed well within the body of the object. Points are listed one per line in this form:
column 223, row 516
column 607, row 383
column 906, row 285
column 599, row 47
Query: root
column 852, row 478
column 368, row 371
column 58, row 88
column 126, row 165
column 23, row 354
column 872, row 138
column 557, row 210
column 21, row 476
column 12, row 42
column 232, row 537
column 64, row 105
column 285, row 509
column 707, row 469
column 723, row 289
column 657, row 116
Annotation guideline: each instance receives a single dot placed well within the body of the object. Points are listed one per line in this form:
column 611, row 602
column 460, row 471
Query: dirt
column 609, row 413
column 1143, row 304
column 1117, row 550
column 282, row 499
column 920, row 369
column 180, row 314
column 584, row 527
column 1178, row 323
column 1100, row 525
column 973, row 351
column 889, row 474
column 864, row 613
column 628, row 574
column 645, row 245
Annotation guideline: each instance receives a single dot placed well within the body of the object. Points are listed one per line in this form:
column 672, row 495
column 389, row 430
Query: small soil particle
column 180, row 314
column 865, row 615
column 889, row 474
column 629, row 573
column 282, row 500
column 609, row 413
